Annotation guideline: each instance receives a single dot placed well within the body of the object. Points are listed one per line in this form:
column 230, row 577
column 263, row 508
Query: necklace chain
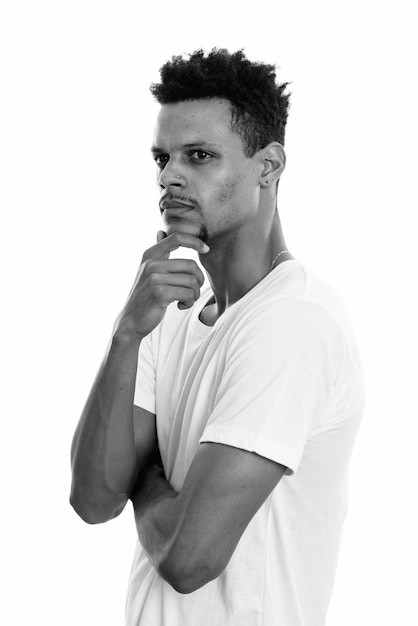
column 276, row 257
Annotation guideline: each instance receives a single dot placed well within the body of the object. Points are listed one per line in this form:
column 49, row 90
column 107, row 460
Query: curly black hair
column 259, row 105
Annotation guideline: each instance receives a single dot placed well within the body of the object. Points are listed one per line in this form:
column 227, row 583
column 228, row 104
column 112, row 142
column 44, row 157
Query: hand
column 160, row 281
column 151, row 487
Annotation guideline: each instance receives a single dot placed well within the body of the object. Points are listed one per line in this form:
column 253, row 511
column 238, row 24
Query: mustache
column 174, row 199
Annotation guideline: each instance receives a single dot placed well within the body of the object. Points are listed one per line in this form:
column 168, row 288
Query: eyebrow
column 193, row 144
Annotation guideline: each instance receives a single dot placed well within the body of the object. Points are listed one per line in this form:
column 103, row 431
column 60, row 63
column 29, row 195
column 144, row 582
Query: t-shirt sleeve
column 278, row 379
column 145, row 377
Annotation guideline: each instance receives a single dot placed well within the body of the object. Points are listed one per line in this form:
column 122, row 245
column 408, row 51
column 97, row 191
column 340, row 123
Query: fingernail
column 205, row 248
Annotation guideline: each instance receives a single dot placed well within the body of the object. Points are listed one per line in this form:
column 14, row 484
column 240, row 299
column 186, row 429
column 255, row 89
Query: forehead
column 194, row 121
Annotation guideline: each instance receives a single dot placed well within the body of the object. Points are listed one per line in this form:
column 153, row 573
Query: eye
column 200, row 155
column 161, row 159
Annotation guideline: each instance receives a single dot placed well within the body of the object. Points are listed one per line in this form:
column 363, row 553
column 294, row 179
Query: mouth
column 174, row 206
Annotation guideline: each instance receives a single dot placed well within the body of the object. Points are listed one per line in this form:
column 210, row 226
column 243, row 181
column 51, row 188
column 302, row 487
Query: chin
column 197, row 230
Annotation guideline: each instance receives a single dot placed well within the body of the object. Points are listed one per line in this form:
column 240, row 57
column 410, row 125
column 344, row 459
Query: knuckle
column 159, row 288
column 149, row 266
column 191, row 280
column 153, row 278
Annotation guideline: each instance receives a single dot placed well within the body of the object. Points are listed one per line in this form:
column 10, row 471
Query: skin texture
column 232, row 197
column 209, row 191
column 208, row 169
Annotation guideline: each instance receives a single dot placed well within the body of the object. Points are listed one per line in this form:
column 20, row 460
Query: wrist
column 124, row 336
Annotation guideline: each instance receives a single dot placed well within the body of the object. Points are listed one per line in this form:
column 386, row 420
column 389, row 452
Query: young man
column 232, row 433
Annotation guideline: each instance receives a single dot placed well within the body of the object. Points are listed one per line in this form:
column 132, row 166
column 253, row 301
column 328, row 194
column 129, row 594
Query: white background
column 78, row 202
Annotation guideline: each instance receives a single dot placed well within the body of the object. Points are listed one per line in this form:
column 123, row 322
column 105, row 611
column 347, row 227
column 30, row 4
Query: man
column 233, row 431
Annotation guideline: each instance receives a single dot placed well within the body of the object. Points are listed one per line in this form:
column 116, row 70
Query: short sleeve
column 145, row 376
column 278, row 379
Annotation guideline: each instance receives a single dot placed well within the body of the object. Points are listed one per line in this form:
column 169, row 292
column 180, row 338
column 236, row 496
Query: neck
column 236, row 264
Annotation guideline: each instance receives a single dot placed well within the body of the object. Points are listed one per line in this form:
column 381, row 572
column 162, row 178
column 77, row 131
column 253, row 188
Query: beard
column 184, row 226
column 203, row 233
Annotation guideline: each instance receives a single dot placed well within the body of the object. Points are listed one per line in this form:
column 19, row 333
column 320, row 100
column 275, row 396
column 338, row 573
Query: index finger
column 177, row 240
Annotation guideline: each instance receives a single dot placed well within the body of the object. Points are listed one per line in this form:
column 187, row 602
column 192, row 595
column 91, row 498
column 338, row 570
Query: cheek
column 237, row 198
column 229, row 192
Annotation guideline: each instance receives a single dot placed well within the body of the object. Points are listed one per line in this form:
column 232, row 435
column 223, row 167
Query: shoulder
column 292, row 297
column 293, row 315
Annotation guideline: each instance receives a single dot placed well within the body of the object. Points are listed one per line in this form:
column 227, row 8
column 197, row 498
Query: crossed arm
column 190, row 536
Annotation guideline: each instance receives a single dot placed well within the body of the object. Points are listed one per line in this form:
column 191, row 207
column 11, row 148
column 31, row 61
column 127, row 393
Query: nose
column 170, row 175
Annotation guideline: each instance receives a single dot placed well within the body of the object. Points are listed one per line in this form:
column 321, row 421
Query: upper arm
column 145, row 436
column 223, row 490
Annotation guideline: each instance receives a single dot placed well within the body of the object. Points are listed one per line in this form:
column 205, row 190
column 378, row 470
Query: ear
column 273, row 159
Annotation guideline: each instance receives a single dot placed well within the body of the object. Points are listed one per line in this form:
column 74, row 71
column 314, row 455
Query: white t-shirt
column 278, row 374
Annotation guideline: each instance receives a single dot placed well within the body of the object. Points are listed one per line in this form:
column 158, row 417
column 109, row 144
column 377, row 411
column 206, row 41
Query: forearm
column 103, row 452
column 156, row 513
column 178, row 543
column 107, row 452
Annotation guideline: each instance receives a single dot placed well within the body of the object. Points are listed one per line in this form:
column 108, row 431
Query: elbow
column 87, row 514
column 93, row 511
column 186, row 577
column 187, row 586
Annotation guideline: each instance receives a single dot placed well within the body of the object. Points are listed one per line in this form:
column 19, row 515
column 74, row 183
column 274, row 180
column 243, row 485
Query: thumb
column 161, row 235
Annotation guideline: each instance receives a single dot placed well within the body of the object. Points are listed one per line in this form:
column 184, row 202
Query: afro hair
column 259, row 105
